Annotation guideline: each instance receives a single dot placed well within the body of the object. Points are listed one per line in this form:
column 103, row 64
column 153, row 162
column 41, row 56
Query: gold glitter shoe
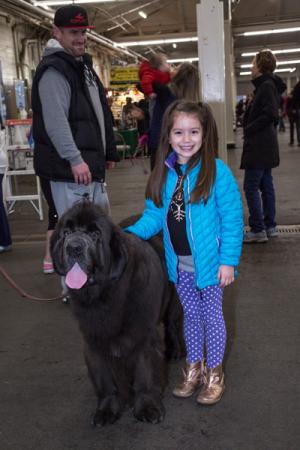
column 213, row 386
column 192, row 378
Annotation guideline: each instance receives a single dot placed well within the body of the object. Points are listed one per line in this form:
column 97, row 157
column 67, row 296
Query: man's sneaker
column 250, row 237
column 272, row 232
column 48, row 267
column 5, row 248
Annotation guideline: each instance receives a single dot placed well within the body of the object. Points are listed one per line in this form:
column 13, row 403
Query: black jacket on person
column 296, row 97
column 82, row 119
column 260, row 149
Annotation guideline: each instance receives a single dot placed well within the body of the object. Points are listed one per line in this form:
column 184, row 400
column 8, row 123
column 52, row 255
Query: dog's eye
column 93, row 231
column 94, row 234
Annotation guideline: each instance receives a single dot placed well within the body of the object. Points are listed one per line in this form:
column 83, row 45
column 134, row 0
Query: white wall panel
column 7, row 55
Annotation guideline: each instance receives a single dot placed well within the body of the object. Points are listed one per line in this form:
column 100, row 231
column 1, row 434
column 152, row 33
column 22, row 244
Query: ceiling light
column 182, row 60
column 70, row 2
column 157, row 42
column 279, row 63
column 274, row 31
column 276, row 52
column 174, row 45
column 287, row 69
column 143, row 14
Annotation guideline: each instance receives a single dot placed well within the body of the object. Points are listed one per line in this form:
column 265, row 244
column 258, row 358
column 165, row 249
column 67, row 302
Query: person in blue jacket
column 193, row 198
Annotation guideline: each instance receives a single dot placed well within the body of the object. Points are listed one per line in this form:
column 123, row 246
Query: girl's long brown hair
column 207, row 153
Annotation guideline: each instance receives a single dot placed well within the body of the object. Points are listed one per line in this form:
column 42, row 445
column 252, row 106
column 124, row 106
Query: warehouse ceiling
column 120, row 21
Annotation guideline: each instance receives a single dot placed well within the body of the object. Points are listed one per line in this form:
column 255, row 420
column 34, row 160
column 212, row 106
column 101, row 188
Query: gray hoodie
column 55, row 96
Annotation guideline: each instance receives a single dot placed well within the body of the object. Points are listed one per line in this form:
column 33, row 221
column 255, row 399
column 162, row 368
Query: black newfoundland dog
column 119, row 293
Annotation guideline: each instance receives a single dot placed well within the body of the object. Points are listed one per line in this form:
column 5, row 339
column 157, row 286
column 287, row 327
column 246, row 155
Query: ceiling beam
column 151, row 37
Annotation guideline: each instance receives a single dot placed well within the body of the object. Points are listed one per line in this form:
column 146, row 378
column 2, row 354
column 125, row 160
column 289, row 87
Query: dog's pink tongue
column 76, row 277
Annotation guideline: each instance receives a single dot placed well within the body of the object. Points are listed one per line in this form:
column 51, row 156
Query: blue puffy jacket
column 214, row 229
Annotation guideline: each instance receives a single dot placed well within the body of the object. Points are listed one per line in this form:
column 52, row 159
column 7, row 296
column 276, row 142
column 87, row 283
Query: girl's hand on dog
column 226, row 275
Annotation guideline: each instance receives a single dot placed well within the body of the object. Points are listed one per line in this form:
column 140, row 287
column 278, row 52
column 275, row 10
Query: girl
column 194, row 199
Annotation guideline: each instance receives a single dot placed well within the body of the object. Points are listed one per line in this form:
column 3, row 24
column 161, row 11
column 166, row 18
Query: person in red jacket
column 155, row 70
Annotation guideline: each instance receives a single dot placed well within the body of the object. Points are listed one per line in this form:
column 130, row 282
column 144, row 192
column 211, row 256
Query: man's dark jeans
column 260, row 196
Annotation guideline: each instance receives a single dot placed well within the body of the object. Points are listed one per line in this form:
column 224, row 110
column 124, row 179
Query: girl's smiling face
column 185, row 136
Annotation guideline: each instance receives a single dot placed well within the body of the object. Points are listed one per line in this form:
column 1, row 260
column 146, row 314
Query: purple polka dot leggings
column 203, row 320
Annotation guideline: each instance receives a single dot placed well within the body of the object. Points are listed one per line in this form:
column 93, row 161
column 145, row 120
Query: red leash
column 23, row 293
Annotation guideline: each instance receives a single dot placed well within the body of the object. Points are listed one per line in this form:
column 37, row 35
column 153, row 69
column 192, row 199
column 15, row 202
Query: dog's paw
column 149, row 410
column 102, row 418
column 108, row 412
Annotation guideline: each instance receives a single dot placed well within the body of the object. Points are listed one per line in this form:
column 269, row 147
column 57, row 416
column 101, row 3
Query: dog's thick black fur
column 118, row 309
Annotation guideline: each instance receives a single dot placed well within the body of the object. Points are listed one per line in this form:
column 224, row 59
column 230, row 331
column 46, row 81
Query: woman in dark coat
column 260, row 150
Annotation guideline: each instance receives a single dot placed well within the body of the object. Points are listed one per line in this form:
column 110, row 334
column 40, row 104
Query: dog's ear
column 119, row 255
column 56, row 253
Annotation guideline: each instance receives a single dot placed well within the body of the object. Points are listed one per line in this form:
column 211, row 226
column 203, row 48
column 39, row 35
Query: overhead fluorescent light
column 143, row 14
column 273, row 31
column 276, row 52
column 279, row 63
column 157, row 42
column 182, row 60
column 287, row 69
column 70, row 2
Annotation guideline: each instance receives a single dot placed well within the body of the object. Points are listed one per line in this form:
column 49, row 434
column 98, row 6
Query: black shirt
column 176, row 218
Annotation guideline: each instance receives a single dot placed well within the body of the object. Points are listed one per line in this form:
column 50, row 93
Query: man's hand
column 110, row 165
column 153, row 95
column 226, row 275
column 81, row 173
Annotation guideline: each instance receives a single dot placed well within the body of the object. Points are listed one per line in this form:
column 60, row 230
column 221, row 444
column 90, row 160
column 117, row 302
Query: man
column 72, row 127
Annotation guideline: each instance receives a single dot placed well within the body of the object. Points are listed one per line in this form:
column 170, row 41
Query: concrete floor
column 46, row 397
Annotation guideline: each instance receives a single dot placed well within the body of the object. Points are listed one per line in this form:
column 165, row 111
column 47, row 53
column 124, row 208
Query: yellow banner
column 124, row 76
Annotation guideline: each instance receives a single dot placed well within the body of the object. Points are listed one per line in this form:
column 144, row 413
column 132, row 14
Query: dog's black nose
column 74, row 249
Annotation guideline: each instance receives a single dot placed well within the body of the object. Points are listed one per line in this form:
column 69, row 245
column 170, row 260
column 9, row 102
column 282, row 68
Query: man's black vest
column 82, row 119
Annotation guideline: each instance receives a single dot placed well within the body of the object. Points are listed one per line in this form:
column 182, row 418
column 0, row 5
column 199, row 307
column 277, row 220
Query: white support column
column 210, row 25
column 230, row 85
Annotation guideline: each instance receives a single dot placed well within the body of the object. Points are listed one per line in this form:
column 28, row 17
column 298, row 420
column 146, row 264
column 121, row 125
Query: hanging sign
column 123, row 76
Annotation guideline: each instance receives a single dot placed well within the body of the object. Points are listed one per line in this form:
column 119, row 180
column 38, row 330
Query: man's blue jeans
column 260, row 196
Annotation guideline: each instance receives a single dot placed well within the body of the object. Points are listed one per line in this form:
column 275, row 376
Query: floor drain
column 283, row 229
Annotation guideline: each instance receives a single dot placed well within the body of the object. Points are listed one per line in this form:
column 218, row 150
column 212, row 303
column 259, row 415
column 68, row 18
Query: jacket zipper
column 194, row 253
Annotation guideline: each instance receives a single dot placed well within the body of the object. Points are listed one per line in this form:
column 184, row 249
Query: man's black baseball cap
column 72, row 16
